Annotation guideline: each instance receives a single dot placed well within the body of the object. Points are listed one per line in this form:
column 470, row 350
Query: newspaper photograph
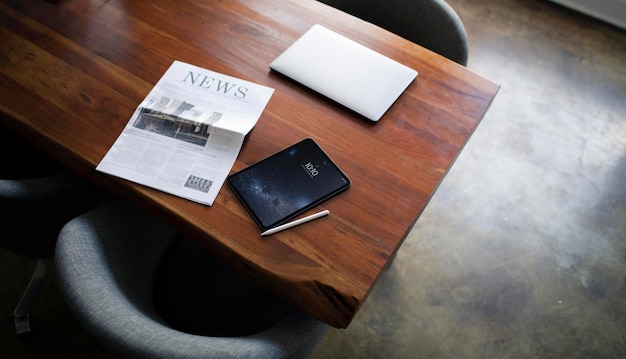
column 185, row 136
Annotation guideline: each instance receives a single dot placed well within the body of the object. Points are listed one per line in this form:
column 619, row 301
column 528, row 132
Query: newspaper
column 187, row 133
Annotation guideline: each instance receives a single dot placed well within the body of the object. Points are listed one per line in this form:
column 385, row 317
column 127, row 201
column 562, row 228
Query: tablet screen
column 287, row 183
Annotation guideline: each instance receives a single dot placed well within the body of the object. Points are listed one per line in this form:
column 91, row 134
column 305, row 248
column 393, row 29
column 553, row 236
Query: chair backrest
column 432, row 24
column 37, row 208
column 108, row 261
column 37, row 197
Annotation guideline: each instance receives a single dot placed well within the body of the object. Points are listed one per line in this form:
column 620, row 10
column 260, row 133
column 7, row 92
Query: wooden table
column 72, row 72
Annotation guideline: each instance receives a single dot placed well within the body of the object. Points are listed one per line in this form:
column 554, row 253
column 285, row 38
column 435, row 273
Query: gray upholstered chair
column 432, row 24
column 146, row 291
column 37, row 197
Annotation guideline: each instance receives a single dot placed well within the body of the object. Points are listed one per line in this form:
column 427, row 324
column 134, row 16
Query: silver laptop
column 345, row 71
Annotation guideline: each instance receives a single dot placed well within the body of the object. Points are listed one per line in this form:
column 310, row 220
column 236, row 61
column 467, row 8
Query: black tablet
column 287, row 183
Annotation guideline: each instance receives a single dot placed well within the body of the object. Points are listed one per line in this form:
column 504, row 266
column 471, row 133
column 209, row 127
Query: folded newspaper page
column 187, row 133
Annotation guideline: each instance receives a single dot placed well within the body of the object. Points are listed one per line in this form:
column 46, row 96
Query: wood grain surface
column 72, row 72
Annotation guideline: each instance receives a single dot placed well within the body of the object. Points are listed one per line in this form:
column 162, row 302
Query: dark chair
column 432, row 24
column 146, row 291
column 37, row 197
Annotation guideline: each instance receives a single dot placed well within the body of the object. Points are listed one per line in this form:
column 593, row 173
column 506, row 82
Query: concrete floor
column 522, row 251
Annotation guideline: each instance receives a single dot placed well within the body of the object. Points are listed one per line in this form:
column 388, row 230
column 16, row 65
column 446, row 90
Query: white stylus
column 296, row 222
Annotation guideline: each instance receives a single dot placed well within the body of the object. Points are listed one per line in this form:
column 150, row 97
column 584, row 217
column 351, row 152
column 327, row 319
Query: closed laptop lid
column 345, row 71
